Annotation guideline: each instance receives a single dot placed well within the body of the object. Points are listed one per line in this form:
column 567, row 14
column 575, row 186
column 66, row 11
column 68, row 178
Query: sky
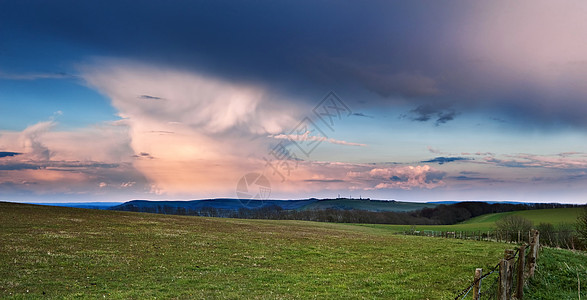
column 407, row 100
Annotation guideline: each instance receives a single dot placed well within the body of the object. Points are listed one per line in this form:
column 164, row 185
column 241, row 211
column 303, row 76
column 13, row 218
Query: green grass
column 57, row 252
column 555, row 216
column 67, row 253
column 558, row 275
column 397, row 206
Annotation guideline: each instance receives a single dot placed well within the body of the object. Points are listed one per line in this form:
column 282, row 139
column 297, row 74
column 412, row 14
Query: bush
column 509, row 226
column 581, row 227
column 547, row 234
column 566, row 236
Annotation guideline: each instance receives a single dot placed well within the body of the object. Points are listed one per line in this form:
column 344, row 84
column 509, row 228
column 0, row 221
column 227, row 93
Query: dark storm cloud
column 19, row 166
column 442, row 160
column 35, row 76
column 8, row 154
column 381, row 52
column 445, row 116
column 384, row 81
column 362, row 115
column 468, row 178
column 469, row 173
column 438, row 113
column 55, row 165
column 148, row 97
column 301, row 47
column 324, row 180
column 143, row 155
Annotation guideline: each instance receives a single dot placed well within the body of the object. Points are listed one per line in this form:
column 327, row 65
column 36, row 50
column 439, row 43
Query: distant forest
column 444, row 214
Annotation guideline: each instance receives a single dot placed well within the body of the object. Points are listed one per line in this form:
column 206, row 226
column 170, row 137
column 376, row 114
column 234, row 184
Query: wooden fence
column 560, row 239
column 511, row 276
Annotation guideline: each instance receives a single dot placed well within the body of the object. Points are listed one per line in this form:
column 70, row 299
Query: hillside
column 369, row 205
column 172, row 207
column 220, row 203
column 89, row 205
column 59, row 252
column 68, row 252
column 555, row 216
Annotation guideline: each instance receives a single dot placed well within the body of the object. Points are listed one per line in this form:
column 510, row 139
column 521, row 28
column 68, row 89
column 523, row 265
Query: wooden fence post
column 476, row 290
column 502, row 287
column 509, row 256
column 521, row 265
column 505, row 275
column 533, row 253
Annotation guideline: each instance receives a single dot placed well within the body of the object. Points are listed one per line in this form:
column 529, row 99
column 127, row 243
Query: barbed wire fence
column 558, row 239
column 506, row 279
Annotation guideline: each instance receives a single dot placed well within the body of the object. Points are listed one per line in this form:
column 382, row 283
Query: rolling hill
column 555, row 216
column 369, row 205
column 305, row 204
column 65, row 253
column 60, row 252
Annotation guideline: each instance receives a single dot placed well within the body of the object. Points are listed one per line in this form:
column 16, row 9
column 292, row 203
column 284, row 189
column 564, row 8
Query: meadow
column 555, row 216
column 57, row 252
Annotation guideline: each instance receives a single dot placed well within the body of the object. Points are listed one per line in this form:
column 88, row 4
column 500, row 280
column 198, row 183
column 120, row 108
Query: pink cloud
column 406, row 177
column 202, row 133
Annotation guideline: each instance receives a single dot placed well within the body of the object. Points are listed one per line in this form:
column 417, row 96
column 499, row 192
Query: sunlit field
column 65, row 252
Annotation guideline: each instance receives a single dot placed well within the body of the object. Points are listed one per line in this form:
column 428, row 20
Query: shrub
column 566, row 236
column 581, row 227
column 547, row 234
column 510, row 225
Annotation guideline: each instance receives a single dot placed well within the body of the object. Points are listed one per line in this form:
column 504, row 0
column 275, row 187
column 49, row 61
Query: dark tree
column 581, row 227
column 510, row 225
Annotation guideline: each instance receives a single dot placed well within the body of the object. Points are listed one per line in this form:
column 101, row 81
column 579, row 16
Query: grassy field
column 558, row 275
column 556, row 216
column 398, row 206
column 58, row 252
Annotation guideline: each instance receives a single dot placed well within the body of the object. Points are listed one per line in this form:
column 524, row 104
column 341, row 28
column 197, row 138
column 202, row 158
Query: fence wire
column 489, row 290
column 554, row 238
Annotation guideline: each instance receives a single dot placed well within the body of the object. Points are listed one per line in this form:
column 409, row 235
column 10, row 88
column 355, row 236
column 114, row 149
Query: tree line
column 443, row 214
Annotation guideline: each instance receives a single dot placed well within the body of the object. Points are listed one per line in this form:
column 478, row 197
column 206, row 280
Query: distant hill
column 236, row 204
column 90, row 205
column 486, row 222
column 490, row 202
column 368, row 205
column 221, row 203
column 555, row 216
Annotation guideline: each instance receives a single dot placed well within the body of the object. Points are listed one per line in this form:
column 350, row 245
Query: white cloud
column 199, row 130
column 209, row 104
column 400, row 177
column 86, row 161
column 31, row 143
column 307, row 137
